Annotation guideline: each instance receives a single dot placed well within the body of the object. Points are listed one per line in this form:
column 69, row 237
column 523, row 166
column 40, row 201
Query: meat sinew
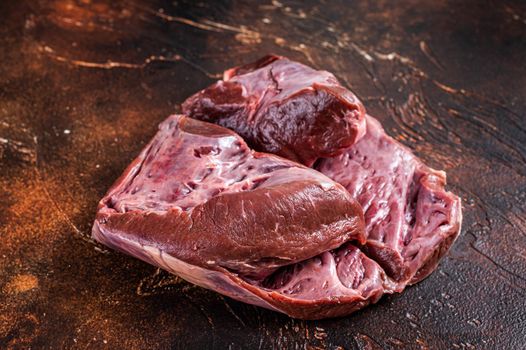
column 283, row 107
column 259, row 228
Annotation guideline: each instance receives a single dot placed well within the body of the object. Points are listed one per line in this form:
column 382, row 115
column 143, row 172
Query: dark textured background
column 83, row 85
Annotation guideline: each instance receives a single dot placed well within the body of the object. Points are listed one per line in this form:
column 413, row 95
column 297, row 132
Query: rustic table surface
column 83, row 85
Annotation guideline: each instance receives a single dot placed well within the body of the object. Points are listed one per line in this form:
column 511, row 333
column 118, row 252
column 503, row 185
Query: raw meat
column 199, row 203
column 371, row 219
column 283, row 107
column 411, row 220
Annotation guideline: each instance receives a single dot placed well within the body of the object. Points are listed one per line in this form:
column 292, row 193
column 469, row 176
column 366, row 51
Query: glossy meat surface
column 411, row 219
column 198, row 199
column 268, row 231
column 283, row 107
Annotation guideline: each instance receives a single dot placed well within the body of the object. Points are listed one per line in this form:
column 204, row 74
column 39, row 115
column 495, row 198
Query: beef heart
column 199, row 203
column 411, row 220
column 283, row 107
column 369, row 219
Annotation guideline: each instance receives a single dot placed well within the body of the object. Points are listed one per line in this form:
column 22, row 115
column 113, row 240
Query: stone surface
column 83, row 85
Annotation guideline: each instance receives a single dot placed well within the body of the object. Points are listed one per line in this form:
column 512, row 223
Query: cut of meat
column 198, row 202
column 370, row 219
column 198, row 192
column 283, row 107
column 411, row 220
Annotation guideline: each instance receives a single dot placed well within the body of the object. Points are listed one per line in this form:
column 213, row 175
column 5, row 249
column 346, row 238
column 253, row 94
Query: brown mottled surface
column 83, row 85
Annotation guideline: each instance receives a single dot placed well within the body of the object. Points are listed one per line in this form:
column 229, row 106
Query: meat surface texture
column 369, row 219
column 411, row 220
column 283, row 107
column 199, row 203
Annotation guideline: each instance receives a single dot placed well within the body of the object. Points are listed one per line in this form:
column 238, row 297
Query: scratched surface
column 83, row 85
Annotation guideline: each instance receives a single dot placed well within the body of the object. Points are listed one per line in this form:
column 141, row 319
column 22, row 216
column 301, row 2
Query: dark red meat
column 266, row 230
column 283, row 107
column 198, row 202
column 411, row 220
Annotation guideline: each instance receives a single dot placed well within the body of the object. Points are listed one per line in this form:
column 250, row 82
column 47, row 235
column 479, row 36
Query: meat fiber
column 283, row 107
column 411, row 221
column 369, row 220
column 261, row 229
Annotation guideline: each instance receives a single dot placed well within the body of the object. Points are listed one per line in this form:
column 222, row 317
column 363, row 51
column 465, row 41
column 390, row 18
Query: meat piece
column 199, row 203
column 411, row 220
column 198, row 192
column 283, row 107
column 270, row 232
